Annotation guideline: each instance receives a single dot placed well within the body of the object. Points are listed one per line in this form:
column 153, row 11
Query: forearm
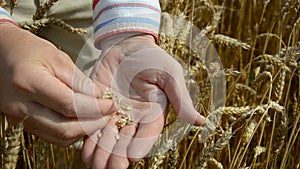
column 9, row 33
column 113, row 17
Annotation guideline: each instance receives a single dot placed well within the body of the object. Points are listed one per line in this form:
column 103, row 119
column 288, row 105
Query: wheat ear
column 12, row 147
column 40, row 12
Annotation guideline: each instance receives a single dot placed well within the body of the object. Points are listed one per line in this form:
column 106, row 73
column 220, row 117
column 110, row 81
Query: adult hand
column 144, row 76
column 41, row 87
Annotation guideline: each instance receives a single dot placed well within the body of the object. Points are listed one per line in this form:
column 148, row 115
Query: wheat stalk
column 211, row 150
column 262, row 51
column 13, row 4
column 41, row 12
column 41, row 151
column 36, row 25
column 65, row 26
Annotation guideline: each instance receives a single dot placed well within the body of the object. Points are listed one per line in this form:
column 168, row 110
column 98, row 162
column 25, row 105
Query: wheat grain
column 279, row 87
column 13, row 4
column 276, row 106
column 157, row 161
column 215, row 163
column 41, row 151
column 65, row 26
column 40, row 12
column 295, row 106
column 211, row 28
column 12, row 147
column 2, row 3
column 249, row 130
column 229, row 41
column 34, row 26
column 139, row 165
column 280, row 134
column 258, row 150
column 273, row 60
column 211, row 150
column 261, row 78
column 271, row 30
column 233, row 110
column 173, row 157
column 288, row 6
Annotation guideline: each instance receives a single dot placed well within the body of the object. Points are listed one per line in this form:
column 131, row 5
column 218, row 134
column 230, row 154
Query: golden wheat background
column 258, row 44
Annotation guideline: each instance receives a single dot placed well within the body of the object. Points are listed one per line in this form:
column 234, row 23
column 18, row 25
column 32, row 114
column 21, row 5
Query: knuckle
column 67, row 143
column 19, row 82
column 177, row 68
column 68, row 134
column 135, row 155
column 122, row 164
column 128, row 130
column 68, row 110
column 15, row 109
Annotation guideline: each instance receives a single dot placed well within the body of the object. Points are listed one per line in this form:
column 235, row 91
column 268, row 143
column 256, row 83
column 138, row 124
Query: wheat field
column 258, row 42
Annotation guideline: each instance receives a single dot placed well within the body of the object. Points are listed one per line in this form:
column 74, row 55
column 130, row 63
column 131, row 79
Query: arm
column 40, row 86
column 126, row 33
column 114, row 17
column 5, row 17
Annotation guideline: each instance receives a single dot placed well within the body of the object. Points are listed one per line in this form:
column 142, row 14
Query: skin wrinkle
column 142, row 85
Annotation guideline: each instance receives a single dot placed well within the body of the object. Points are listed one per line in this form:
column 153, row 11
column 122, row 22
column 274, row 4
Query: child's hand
column 145, row 77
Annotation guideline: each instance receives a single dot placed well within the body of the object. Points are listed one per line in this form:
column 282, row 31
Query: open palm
column 145, row 77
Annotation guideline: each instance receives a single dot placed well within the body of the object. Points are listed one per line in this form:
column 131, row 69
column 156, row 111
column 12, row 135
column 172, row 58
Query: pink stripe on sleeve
column 120, row 16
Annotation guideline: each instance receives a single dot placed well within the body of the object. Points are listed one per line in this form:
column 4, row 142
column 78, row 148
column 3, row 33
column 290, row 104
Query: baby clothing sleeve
column 5, row 17
column 112, row 17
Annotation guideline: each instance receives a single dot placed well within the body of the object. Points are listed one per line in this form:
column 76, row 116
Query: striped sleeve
column 5, row 17
column 112, row 17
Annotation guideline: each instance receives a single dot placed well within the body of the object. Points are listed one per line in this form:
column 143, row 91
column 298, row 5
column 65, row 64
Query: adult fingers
column 66, row 71
column 87, row 106
column 51, row 92
column 56, row 128
column 84, row 87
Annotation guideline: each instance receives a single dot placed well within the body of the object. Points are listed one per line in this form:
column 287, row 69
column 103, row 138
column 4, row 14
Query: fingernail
column 200, row 120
